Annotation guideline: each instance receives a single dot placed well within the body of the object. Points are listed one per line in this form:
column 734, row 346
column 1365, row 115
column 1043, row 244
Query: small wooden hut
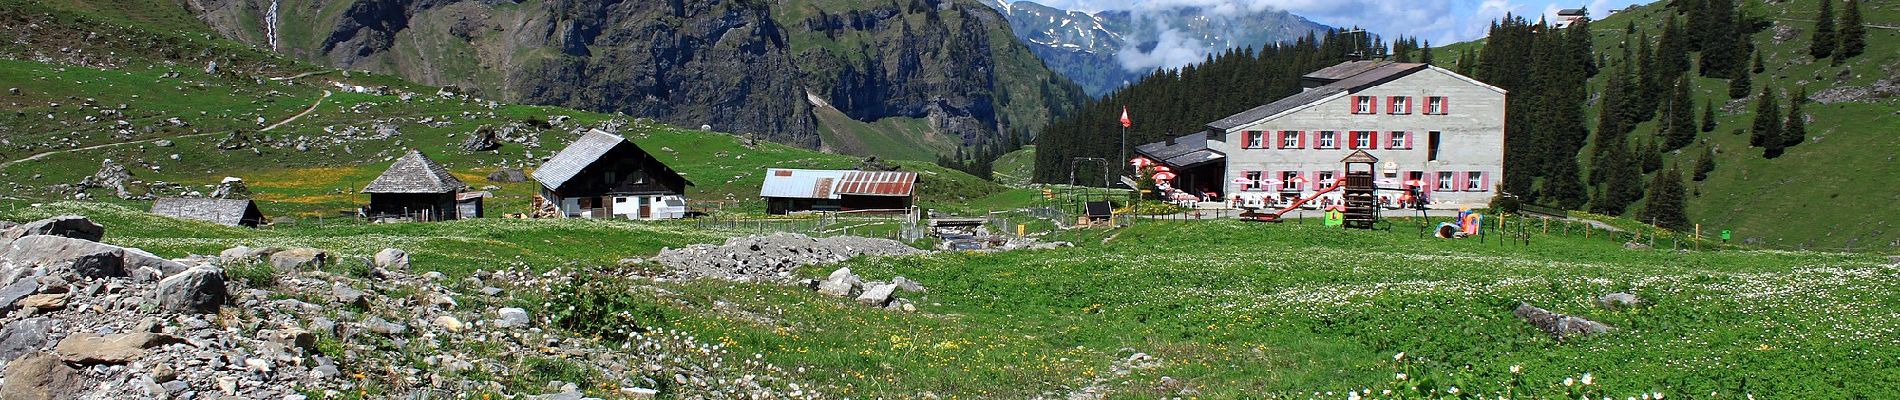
column 414, row 188
column 233, row 212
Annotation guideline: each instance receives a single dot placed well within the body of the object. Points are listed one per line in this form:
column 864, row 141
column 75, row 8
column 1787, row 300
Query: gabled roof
column 1359, row 156
column 1344, row 78
column 1182, row 152
column 415, row 173
column 1573, row 11
column 585, row 152
column 832, row 184
column 222, row 211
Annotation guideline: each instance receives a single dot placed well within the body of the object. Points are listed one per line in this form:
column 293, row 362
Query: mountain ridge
column 1105, row 50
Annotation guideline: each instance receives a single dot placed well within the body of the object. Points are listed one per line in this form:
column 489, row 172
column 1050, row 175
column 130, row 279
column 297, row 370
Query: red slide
column 1275, row 217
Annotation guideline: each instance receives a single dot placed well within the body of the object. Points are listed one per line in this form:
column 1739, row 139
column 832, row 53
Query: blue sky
column 1440, row 21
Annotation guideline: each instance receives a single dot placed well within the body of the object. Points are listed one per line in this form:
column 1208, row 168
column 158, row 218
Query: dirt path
column 307, row 111
column 306, row 74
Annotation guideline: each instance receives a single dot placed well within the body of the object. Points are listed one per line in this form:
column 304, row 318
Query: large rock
column 45, row 301
column 85, row 348
column 12, row 293
column 506, row 175
column 299, row 259
column 42, row 377
column 197, row 290
column 840, row 283
column 245, row 254
column 877, row 296
column 349, row 296
column 58, row 254
column 1619, row 300
column 24, row 336
column 393, row 259
column 1559, row 325
column 511, row 318
column 71, row 226
column 908, row 285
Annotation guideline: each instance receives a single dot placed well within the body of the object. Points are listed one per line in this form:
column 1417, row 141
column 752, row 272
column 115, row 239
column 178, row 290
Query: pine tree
column 1679, row 124
column 1667, row 201
column 1767, row 127
column 1425, row 53
column 1651, row 156
column 1705, row 164
column 1720, row 59
column 1563, row 187
column 1621, row 183
column 1824, row 40
column 1758, row 68
column 1708, row 116
column 1672, row 54
column 1795, row 129
column 1853, row 35
column 1741, row 85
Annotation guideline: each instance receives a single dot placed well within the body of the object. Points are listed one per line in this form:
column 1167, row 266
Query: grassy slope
column 325, row 179
column 1252, row 310
column 895, row 138
column 1016, row 167
column 1830, row 192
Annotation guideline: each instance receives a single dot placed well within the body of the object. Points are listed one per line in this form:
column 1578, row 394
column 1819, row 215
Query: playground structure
column 1360, row 195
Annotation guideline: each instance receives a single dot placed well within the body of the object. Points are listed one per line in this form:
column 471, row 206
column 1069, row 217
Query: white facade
column 1298, row 150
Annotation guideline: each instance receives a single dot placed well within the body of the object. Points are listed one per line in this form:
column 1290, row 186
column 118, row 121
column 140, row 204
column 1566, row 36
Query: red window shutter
column 1408, row 141
column 1375, row 139
column 1485, row 183
column 1302, row 139
column 1444, row 106
column 1392, row 103
column 1459, row 180
column 1408, row 104
column 1352, row 105
column 1375, row 106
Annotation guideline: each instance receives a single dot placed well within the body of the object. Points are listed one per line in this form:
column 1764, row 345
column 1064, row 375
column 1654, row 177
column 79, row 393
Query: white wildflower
column 1587, row 379
column 1399, row 377
column 1570, row 381
column 1515, row 368
column 1398, row 357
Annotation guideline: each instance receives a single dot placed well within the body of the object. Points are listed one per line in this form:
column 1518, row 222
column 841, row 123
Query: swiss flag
column 1125, row 121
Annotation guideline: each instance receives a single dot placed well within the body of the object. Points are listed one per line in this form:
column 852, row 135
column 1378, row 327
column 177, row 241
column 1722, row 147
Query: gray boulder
column 349, row 296
column 393, row 259
column 511, row 318
column 1619, row 300
column 1559, row 325
column 840, row 283
column 63, row 254
column 197, row 290
column 11, row 294
column 24, row 336
column 42, row 377
column 86, row 348
column 877, row 296
column 908, row 285
column 508, row 175
column 245, row 254
column 72, row 226
column 299, row 259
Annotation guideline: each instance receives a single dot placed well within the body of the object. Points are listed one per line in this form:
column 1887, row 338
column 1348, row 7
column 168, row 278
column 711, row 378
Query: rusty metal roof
column 831, row 184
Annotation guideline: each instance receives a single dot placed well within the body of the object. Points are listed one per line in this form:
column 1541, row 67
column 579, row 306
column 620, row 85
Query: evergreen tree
column 1705, row 164
column 1741, row 85
column 1425, row 53
column 1720, row 58
column 1853, row 34
column 1672, row 53
column 1767, row 127
column 1679, row 124
column 1651, row 156
column 1758, row 68
column 1621, row 183
column 1795, row 129
column 1708, row 116
column 1563, row 188
column 1824, row 39
column 1667, row 201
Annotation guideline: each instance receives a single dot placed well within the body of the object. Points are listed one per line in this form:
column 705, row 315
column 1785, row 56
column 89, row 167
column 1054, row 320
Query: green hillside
column 1828, row 192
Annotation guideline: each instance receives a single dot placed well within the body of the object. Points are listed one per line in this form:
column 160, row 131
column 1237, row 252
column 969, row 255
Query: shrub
column 607, row 307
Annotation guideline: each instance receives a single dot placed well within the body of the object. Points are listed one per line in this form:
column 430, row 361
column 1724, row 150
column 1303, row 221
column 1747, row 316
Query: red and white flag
column 1125, row 121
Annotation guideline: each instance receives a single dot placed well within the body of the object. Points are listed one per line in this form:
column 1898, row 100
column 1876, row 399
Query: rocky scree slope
column 734, row 65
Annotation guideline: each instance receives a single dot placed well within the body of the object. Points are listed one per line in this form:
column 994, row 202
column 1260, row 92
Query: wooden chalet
column 793, row 190
column 414, row 188
column 604, row 175
column 233, row 212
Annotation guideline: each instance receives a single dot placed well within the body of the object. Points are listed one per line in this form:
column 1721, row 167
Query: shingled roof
column 232, row 212
column 1182, row 152
column 415, row 173
column 584, row 152
column 1347, row 77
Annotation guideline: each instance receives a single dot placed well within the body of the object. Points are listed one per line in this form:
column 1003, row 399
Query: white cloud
column 1172, row 49
column 1440, row 21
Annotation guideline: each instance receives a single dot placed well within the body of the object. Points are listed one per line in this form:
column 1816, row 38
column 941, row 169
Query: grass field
column 1226, row 309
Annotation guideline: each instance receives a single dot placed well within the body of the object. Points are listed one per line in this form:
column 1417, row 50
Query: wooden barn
column 604, row 175
column 793, row 190
column 414, row 188
column 233, row 212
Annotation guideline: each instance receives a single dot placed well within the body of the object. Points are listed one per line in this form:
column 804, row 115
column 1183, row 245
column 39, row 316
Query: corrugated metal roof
column 577, row 156
column 832, row 184
column 415, row 173
column 1348, row 77
column 1187, row 151
column 878, row 183
column 221, row 211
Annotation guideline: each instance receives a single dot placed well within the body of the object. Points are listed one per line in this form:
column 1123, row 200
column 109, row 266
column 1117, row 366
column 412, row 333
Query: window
column 1253, row 179
column 1255, row 139
column 1399, row 105
column 1325, row 178
column 1474, row 181
column 1431, row 146
column 1289, row 180
column 1362, row 105
column 1289, row 139
column 1435, row 105
column 610, row 178
column 1362, row 140
column 1415, row 178
column 1326, row 140
column 1398, row 141
column 1445, row 179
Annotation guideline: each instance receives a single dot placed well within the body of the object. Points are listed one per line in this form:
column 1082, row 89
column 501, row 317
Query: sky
column 1439, row 21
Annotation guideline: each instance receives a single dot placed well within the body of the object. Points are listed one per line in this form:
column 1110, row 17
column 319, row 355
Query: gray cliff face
column 731, row 64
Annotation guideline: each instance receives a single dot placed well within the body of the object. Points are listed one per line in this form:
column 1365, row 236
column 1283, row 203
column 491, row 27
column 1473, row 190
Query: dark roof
column 1359, row 156
column 1573, row 11
column 415, row 173
column 222, row 211
column 1185, row 152
column 1347, row 77
column 584, row 152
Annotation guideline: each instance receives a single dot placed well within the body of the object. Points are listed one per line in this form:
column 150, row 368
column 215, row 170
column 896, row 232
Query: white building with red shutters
column 1431, row 129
